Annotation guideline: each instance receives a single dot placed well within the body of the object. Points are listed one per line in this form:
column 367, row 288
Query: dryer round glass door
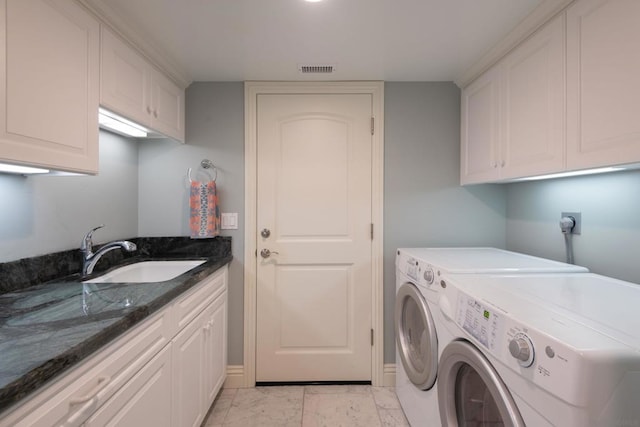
column 470, row 391
column 416, row 337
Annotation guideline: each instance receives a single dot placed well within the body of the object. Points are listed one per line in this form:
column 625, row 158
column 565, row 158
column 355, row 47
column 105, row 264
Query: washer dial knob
column 428, row 275
column 521, row 348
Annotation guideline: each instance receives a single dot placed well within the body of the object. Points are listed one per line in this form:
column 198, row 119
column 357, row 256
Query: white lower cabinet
column 215, row 349
column 164, row 372
column 143, row 401
column 188, row 381
column 199, row 360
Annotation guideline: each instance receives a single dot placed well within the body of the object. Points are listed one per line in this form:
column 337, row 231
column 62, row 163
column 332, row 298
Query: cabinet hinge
column 371, row 231
column 371, row 337
column 373, row 125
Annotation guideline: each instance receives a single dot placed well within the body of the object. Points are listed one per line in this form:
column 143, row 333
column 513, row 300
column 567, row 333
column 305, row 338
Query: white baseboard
column 389, row 375
column 235, row 377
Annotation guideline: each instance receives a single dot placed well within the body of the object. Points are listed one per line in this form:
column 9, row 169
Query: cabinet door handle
column 148, row 110
column 155, row 113
column 102, row 383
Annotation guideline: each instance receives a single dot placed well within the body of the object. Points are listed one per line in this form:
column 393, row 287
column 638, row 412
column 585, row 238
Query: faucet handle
column 87, row 244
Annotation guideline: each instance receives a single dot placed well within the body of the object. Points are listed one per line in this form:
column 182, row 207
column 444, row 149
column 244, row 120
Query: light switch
column 229, row 221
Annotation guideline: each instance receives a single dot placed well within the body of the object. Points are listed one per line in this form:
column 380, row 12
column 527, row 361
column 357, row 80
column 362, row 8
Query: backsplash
column 610, row 207
column 46, row 214
column 28, row 272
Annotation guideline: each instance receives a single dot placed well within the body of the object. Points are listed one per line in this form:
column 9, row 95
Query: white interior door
column 314, row 197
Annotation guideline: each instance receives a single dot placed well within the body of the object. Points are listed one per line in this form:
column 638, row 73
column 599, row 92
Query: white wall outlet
column 229, row 221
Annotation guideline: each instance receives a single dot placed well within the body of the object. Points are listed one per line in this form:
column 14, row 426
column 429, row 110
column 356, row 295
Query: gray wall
column 44, row 214
column 424, row 204
column 610, row 207
column 215, row 131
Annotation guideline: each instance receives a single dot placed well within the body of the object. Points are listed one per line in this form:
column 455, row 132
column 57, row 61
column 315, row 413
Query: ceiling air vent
column 316, row 69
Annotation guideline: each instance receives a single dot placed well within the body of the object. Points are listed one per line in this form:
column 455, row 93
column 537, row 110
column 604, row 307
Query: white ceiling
column 401, row 40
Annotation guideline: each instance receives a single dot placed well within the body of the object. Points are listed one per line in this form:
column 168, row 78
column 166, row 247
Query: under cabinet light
column 21, row 170
column 572, row 173
column 119, row 124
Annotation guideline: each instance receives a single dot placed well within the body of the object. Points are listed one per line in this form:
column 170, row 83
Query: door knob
column 266, row 253
column 265, row 233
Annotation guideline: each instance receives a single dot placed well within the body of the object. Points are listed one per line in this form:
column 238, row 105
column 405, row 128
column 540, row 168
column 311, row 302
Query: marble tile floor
column 307, row 406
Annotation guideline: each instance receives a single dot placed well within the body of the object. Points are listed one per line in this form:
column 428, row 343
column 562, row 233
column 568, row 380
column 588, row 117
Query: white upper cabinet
column 49, row 69
column 603, row 78
column 481, row 129
column 513, row 114
column 167, row 107
column 133, row 88
column 125, row 80
column 533, row 104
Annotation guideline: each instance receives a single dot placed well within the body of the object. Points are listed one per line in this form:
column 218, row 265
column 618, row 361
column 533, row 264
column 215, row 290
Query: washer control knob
column 521, row 348
column 428, row 275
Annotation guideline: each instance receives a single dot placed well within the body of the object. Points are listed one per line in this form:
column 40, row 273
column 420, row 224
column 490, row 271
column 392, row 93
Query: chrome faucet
column 90, row 258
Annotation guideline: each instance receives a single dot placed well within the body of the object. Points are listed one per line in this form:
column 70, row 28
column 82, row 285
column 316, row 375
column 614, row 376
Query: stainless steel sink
column 147, row 271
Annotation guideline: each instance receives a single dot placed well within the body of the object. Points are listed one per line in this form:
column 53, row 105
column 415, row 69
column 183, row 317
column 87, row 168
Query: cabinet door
column 188, row 375
column 125, row 82
column 533, row 104
column 73, row 398
column 49, row 74
column 167, row 105
column 603, row 65
column 215, row 349
column 143, row 401
column 480, row 129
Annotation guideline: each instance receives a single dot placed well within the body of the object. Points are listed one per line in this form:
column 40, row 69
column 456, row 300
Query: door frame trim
column 252, row 89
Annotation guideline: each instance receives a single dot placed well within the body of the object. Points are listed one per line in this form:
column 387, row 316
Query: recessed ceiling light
column 313, row 1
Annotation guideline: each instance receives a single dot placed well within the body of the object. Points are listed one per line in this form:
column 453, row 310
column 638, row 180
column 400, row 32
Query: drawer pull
column 102, row 383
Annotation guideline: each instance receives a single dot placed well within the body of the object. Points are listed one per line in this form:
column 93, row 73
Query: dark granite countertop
column 49, row 327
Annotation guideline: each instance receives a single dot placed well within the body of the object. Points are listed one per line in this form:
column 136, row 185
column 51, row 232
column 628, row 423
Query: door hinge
column 373, row 125
column 371, row 231
column 371, row 337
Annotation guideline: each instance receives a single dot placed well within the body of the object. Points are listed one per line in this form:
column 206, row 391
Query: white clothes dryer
column 420, row 336
column 540, row 350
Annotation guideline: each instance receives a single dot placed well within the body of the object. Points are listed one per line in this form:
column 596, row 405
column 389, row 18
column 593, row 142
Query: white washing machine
column 540, row 350
column 420, row 336
column 417, row 342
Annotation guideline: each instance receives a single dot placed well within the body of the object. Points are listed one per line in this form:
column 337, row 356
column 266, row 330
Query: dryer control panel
column 544, row 358
column 484, row 323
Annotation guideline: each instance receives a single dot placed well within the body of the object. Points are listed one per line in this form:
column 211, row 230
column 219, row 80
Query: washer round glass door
column 470, row 391
column 416, row 337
